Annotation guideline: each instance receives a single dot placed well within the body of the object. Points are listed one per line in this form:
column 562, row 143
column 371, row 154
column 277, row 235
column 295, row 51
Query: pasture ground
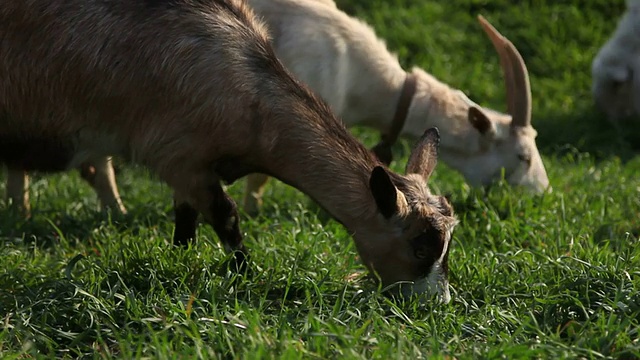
column 553, row 276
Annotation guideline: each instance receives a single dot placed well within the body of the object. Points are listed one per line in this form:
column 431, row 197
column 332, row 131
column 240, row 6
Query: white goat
column 98, row 173
column 193, row 91
column 615, row 70
column 344, row 62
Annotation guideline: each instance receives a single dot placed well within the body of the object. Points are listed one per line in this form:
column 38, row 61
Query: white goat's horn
column 516, row 76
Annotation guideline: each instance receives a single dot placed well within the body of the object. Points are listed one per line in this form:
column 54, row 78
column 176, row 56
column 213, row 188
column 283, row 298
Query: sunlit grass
column 553, row 276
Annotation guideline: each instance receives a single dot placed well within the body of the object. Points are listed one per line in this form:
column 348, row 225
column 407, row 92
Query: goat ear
column 424, row 156
column 384, row 192
column 480, row 121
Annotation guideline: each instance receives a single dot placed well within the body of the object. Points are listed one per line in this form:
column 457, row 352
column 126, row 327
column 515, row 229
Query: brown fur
column 189, row 88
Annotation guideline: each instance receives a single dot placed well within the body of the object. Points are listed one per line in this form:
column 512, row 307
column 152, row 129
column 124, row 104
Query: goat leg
column 253, row 193
column 18, row 191
column 218, row 209
column 224, row 219
column 100, row 174
column 186, row 222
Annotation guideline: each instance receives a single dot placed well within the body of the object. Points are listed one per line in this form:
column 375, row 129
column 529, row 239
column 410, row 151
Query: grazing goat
column 342, row 60
column 192, row 90
column 22, row 156
column 615, row 68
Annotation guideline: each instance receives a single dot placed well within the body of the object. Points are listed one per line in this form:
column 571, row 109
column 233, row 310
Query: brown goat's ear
column 424, row 156
column 480, row 120
column 384, row 192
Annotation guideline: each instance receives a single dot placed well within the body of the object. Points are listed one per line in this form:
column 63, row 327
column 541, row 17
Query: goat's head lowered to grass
column 421, row 226
column 519, row 142
column 615, row 83
column 495, row 142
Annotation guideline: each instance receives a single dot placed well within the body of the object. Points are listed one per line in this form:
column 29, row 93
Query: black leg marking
column 186, row 221
column 225, row 222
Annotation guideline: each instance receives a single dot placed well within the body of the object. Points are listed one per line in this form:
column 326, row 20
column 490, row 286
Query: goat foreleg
column 253, row 193
column 218, row 209
column 101, row 176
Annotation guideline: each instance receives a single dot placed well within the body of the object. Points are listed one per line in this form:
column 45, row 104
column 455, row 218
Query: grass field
column 553, row 276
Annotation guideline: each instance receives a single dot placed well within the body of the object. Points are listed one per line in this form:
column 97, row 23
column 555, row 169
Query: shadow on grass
column 46, row 228
column 585, row 299
column 615, row 234
column 587, row 131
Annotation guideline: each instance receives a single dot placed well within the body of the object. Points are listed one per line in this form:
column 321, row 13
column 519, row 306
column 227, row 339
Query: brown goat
column 192, row 90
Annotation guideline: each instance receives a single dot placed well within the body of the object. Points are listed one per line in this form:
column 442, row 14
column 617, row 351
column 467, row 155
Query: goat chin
column 423, row 289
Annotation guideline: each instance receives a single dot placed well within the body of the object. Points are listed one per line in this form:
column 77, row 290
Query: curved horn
column 516, row 76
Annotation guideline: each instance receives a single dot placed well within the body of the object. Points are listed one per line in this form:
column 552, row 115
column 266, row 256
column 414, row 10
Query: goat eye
column 420, row 254
column 428, row 244
column 526, row 158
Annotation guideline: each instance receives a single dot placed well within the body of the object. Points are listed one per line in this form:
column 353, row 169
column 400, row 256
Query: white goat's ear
column 384, row 192
column 424, row 156
column 481, row 121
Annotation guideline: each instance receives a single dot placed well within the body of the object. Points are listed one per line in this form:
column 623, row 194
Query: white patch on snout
column 436, row 281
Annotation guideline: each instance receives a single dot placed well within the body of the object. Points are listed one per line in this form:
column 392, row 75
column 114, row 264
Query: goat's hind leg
column 18, row 191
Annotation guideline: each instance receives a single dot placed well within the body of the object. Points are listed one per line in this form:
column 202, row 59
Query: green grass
column 552, row 276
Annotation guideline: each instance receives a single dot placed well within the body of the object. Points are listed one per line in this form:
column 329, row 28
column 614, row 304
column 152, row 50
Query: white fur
column 616, row 84
column 344, row 62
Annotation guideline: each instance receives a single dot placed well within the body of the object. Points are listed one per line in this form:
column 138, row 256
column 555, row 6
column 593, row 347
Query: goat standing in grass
column 24, row 154
column 616, row 67
column 192, row 90
column 342, row 60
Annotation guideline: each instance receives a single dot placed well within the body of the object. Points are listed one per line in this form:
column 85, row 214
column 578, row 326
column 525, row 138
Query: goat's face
column 408, row 245
column 498, row 143
column 611, row 86
column 502, row 148
column 516, row 147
